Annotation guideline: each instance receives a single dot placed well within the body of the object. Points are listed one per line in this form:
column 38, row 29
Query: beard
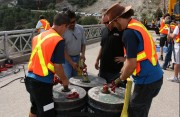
column 119, row 26
column 71, row 27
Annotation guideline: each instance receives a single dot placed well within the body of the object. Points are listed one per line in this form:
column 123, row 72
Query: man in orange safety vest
column 141, row 60
column 46, row 61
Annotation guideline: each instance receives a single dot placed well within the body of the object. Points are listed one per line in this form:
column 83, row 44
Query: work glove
column 73, row 95
column 56, row 80
column 120, row 83
column 117, row 83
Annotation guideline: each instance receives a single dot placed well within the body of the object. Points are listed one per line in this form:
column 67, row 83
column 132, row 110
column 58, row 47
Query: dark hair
column 65, row 8
column 41, row 17
column 128, row 14
column 168, row 20
column 61, row 18
column 71, row 14
column 167, row 14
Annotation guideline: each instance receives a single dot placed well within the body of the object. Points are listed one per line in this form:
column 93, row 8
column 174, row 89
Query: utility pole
column 164, row 7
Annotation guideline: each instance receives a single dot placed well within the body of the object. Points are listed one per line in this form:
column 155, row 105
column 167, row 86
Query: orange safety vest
column 164, row 30
column 149, row 52
column 163, row 26
column 178, row 38
column 45, row 24
column 43, row 46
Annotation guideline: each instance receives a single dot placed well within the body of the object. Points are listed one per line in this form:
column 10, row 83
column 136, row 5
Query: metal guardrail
column 17, row 43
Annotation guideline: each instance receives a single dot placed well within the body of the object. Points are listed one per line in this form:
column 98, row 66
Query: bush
column 82, row 3
column 158, row 13
column 51, row 6
column 19, row 18
column 33, row 4
column 143, row 16
column 8, row 23
column 88, row 20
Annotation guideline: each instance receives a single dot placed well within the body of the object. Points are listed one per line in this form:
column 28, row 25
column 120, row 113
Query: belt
column 74, row 55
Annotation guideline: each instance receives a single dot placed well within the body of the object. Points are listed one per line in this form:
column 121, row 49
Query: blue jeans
column 68, row 69
column 168, row 55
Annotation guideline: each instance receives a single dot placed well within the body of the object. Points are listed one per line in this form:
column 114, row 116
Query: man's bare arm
column 128, row 68
column 60, row 73
column 83, row 48
column 98, row 58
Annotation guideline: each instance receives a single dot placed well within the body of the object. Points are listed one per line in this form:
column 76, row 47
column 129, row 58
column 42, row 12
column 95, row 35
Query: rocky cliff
column 147, row 7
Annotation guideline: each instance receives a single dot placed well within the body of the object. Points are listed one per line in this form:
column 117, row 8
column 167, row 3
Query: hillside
column 145, row 7
column 7, row 1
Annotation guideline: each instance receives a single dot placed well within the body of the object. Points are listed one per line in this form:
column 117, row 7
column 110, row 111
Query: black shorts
column 41, row 97
column 142, row 97
column 163, row 40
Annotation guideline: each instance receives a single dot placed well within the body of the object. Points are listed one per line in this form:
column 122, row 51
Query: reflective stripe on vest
column 142, row 55
column 45, row 24
column 162, row 24
column 178, row 38
column 38, row 50
column 152, row 44
column 164, row 30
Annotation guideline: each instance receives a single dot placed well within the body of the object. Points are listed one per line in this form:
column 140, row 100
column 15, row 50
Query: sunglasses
column 72, row 22
column 106, row 22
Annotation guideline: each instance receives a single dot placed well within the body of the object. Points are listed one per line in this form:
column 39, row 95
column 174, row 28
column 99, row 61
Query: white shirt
column 176, row 32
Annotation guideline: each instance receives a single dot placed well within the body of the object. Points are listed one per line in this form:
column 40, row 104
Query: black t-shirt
column 112, row 47
column 58, row 54
column 130, row 40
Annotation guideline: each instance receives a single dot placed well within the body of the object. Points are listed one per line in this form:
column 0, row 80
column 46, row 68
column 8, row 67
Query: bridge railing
column 17, row 43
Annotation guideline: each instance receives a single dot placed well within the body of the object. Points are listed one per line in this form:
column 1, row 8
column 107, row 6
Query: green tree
column 88, row 20
column 82, row 3
column 49, row 15
column 143, row 16
column 158, row 13
column 8, row 23
column 2, row 7
column 51, row 6
column 35, row 4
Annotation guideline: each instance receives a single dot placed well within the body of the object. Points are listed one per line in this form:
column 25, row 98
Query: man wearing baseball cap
column 141, row 60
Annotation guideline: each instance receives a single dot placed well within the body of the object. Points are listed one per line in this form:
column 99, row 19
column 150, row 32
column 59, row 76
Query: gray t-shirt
column 74, row 39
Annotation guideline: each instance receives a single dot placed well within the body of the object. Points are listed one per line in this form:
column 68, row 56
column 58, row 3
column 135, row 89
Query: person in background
column 170, row 25
column 152, row 23
column 176, row 53
column 163, row 34
column 145, row 22
column 75, row 45
column 141, row 60
column 46, row 61
column 111, row 53
column 42, row 24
